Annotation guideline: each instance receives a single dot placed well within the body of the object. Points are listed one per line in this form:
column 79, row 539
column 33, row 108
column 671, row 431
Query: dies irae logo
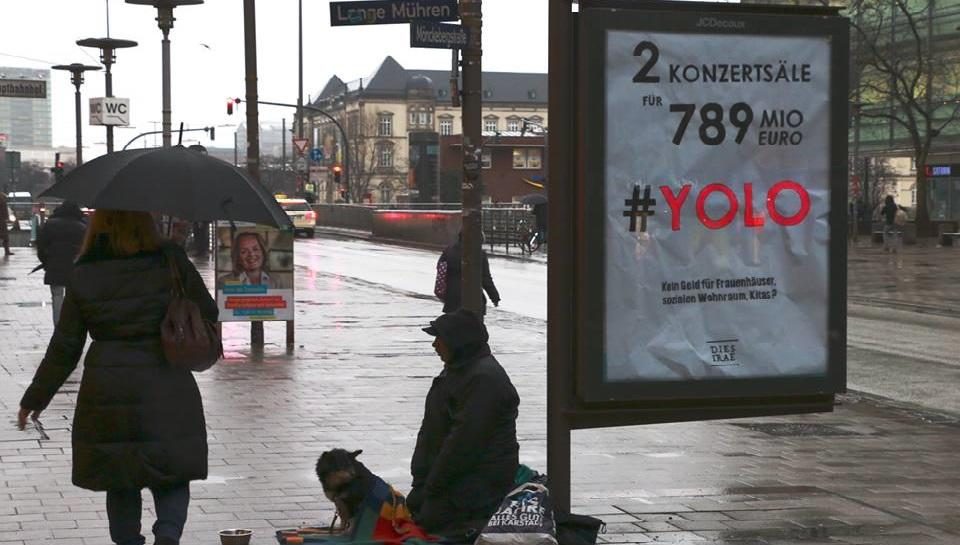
column 723, row 352
column 640, row 207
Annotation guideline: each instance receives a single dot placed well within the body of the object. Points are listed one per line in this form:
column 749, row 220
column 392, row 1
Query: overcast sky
column 208, row 62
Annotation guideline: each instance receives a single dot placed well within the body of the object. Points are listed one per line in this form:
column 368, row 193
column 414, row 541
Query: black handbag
column 189, row 341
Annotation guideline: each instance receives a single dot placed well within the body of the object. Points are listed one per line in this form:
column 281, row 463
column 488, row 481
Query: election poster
column 254, row 273
column 716, row 150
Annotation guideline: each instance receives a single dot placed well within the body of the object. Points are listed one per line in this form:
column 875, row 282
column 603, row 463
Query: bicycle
column 528, row 238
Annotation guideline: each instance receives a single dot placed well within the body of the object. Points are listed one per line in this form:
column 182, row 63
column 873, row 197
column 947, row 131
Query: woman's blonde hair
column 235, row 251
column 121, row 233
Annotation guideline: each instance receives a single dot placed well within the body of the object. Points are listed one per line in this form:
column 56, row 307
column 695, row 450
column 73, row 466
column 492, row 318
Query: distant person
column 4, row 231
column 447, row 285
column 894, row 217
column 540, row 215
column 58, row 244
column 249, row 256
column 139, row 421
column 467, row 453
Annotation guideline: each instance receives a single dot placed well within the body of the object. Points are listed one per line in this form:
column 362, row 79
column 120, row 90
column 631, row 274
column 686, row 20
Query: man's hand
column 22, row 417
column 496, row 303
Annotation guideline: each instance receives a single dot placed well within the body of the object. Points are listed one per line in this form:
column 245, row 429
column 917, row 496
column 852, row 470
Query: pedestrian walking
column 467, row 454
column 894, row 217
column 4, row 231
column 447, row 284
column 58, row 244
column 139, row 421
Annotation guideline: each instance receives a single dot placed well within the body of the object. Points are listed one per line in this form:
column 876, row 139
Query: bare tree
column 364, row 160
column 905, row 76
column 366, row 152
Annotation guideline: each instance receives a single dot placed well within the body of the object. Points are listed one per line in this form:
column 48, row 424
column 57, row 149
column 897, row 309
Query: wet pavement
column 872, row 472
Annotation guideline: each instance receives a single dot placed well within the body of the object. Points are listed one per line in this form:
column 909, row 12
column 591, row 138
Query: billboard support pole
column 560, row 279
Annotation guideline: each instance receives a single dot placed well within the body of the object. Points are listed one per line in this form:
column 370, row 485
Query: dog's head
column 336, row 469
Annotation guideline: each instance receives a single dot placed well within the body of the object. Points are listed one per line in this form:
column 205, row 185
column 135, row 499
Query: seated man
column 467, row 453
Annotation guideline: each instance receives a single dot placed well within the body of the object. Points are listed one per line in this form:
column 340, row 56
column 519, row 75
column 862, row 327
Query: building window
column 384, row 155
column 413, row 119
column 513, row 124
column 486, row 159
column 386, row 192
column 527, row 158
column 425, row 119
column 384, row 125
column 446, row 126
column 490, row 124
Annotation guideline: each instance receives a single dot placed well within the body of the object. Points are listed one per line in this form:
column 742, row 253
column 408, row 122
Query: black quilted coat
column 138, row 422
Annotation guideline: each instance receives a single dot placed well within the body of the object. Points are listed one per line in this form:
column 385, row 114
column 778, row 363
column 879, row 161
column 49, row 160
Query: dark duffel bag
column 576, row 529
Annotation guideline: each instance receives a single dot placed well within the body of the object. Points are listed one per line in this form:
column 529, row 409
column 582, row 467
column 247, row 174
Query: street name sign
column 438, row 36
column 714, row 246
column 110, row 111
column 23, row 88
column 387, row 12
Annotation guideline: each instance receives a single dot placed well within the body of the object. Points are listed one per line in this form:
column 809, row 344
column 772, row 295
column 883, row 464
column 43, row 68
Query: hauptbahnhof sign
column 387, row 12
column 23, row 88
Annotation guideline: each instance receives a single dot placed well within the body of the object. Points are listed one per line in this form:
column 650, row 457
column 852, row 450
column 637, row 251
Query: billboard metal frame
column 577, row 395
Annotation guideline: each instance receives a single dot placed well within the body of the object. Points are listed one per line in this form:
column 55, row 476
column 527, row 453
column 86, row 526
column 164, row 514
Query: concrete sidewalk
column 869, row 473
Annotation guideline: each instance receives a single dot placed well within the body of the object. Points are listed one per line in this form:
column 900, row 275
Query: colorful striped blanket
column 383, row 519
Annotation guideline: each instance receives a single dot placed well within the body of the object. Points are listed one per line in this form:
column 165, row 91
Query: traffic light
column 337, row 170
column 230, row 106
column 57, row 169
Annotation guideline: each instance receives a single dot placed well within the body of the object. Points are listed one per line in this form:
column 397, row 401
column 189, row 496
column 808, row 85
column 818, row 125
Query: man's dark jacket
column 467, row 453
column 58, row 243
column 138, row 422
column 452, row 255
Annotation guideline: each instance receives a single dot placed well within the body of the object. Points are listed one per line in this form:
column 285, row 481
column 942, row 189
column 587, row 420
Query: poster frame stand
column 257, row 337
column 567, row 407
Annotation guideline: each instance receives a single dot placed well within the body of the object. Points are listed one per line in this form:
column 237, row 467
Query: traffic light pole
column 208, row 130
column 343, row 134
column 471, row 15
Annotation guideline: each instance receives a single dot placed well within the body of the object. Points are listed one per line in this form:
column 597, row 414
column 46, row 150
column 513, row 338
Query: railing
column 422, row 222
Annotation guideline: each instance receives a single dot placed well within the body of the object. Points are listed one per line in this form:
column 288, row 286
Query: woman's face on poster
column 251, row 256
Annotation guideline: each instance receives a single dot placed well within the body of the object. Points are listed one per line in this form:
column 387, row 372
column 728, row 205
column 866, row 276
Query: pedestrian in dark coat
column 448, row 276
column 466, row 456
column 4, row 232
column 58, row 244
column 138, row 422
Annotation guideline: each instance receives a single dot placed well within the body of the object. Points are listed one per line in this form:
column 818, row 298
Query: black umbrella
column 534, row 199
column 175, row 181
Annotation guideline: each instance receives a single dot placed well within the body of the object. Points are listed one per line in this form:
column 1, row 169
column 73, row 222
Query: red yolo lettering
column 750, row 216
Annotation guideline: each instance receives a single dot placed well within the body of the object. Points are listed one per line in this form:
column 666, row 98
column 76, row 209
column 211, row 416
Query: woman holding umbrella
column 139, row 422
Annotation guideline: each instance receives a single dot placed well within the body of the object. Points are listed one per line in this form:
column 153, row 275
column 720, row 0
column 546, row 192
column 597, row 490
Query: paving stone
column 892, row 479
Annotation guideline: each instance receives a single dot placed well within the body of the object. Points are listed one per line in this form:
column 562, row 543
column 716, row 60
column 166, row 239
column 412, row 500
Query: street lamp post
column 107, row 47
column 165, row 21
column 76, row 77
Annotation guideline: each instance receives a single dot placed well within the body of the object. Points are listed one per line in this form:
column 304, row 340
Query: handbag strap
column 178, row 290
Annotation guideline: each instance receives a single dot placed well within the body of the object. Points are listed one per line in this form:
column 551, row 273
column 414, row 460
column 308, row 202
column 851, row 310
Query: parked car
column 300, row 213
